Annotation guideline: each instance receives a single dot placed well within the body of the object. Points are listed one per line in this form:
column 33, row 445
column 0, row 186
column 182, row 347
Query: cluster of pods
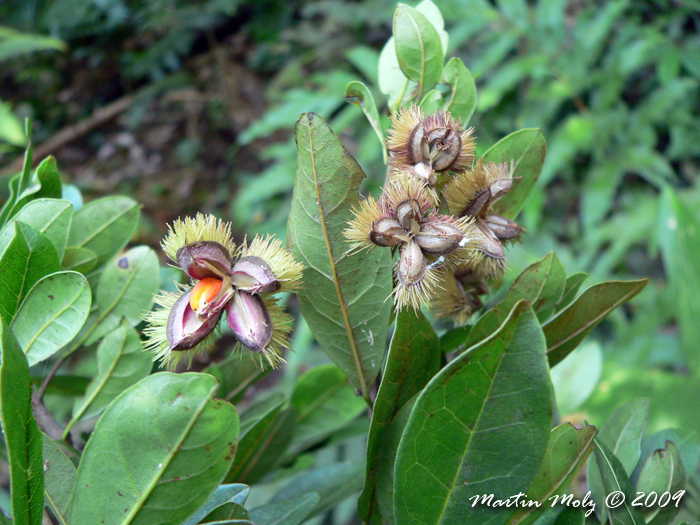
column 437, row 209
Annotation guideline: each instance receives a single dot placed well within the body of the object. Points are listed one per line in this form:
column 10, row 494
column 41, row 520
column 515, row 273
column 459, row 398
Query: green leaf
column 59, row 476
column 568, row 449
column 44, row 183
column 260, row 409
column 263, row 446
column 614, row 479
column 51, row 217
column 21, row 181
column 125, row 290
column 11, row 129
column 576, row 377
column 541, row 284
column 570, row 516
column 28, row 257
column 418, row 48
column 573, row 285
column 414, row 358
column 662, row 472
column 333, row 484
column 433, row 14
column 121, row 362
column 454, row 340
column 105, row 226
column 157, row 453
column 290, row 512
column 358, row 94
column 344, row 300
column 571, row 326
column 432, row 102
column 23, row 439
column 685, row 441
column 462, row 101
column 222, row 495
column 622, row 435
column 392, row 82
column 458, row 440
column 79, row 260
column 52, row 314
column 324, row 403
column 527, row 149
column 13, row 43
column 679, row 239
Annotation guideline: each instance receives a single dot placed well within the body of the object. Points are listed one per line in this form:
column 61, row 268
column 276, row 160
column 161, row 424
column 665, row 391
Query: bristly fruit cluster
column 444, row 259
column 239, row 281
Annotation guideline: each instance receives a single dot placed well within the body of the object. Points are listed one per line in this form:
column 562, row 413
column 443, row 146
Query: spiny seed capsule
column 503, row 228
column 204, row 259
column 409, row 213
column 252, row 275
column 439, row 238
column 387, row 232
column 411, row 263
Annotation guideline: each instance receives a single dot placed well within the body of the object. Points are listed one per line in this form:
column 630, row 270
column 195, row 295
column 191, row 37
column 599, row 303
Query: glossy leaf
column 568, row 449
column 541, row 283
column 527, row 149
column 679, row 239
column 418, row 48
column 125, row 290
column 570, row 516
column 28, row 257
column 432, row 12
column 20, row 181
column 222, row 495
column 498, row 392
column 52, row 217
column 59, row 476
column 79, row 260
column 573, row 285
column 571, row 326
column 462, row 100
column 260, row 409
column 662, row 472
column 324, row 403
column 289, row 512
column 53, row 312
column 614, row 479
column 622, row 435
column 159, row 450
column 333, row 484
column 121, row 362
column 358, row 94
column 414, row 358
column 576, row 377
column 391, row 80
column 45, row 182
column 105, row 226
column 344, row 299
column 23, row 440
column 263, row 446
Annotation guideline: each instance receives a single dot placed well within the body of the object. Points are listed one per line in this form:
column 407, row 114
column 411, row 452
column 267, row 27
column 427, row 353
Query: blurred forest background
column 189, row 105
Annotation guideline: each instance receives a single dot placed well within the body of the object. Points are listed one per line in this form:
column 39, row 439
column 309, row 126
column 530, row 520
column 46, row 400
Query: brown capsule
column 445, row 147
column 247, row 316
column 438, row 237
column 386, row 232
column 478, row 205
column 184, row 329
column 489, row 243
column 418, row 150
column 204, row 259
column 407, row 213
column 503, row 228
column 412, row 266
column 500, row 187
column 253, row 275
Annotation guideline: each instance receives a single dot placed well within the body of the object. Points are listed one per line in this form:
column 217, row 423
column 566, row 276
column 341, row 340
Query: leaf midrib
column 168, row 459
column 334, row 270
column 104, row 227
